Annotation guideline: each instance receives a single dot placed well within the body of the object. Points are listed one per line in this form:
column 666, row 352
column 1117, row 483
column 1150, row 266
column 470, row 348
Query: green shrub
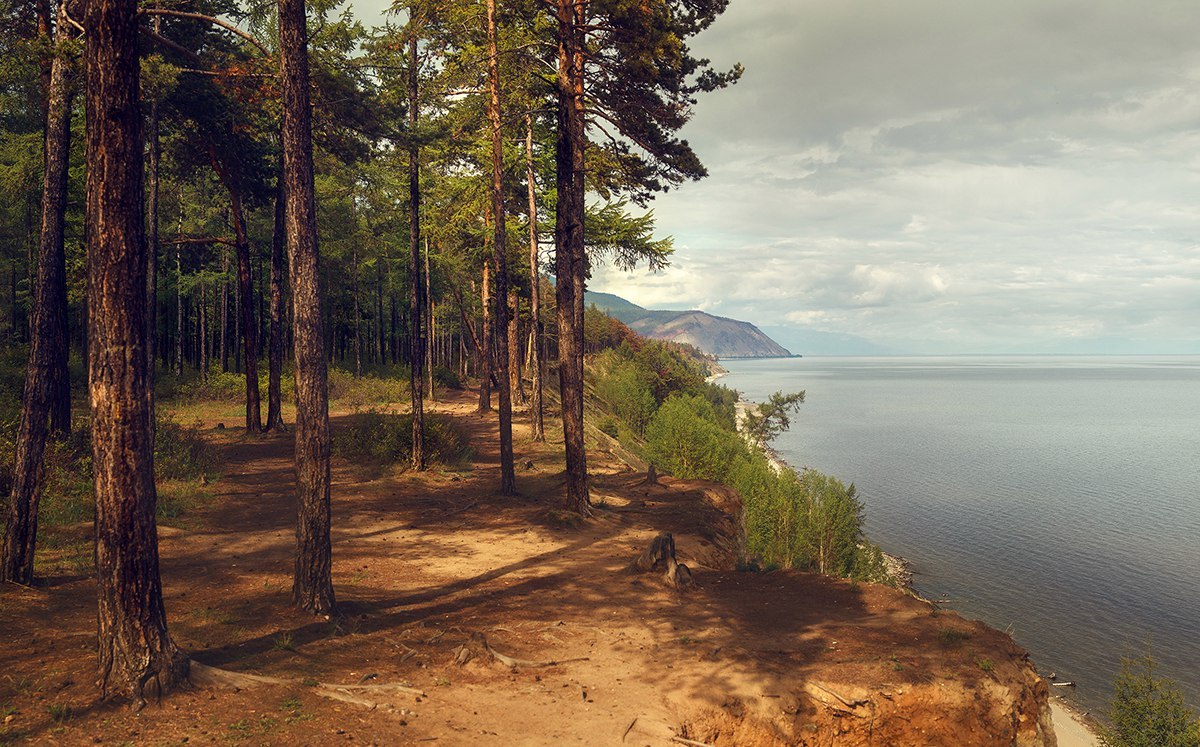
column 808, row 520
column 609, row 426
column 179, row 452
column 1148, row 710
column 622, row 386
column 368, row 390
column 834, row 523
column 684, row 439
column 67, row 494
column 446, row 378
column 384, row 438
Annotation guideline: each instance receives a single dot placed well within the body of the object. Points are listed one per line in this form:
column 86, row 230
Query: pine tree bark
column 42, row 405
column 136, row 654
column 508, row 484
column 275, row 353
column 416, row 300
column 535, row 293
column 570, row 258
column 312, row 584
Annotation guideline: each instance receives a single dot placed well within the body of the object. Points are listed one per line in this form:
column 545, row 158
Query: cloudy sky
column 946, row 177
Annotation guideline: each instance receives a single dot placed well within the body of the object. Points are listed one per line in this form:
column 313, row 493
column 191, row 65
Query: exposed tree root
column 364, row 695
column 479, row 641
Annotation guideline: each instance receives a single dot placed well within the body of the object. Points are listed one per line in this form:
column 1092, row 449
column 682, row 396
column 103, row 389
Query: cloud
column 947, row 177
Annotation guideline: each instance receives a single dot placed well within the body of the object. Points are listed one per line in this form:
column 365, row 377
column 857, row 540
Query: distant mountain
column 716, row 335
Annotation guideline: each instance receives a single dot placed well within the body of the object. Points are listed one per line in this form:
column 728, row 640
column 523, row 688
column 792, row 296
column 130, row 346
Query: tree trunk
column 508, row 485
column 393, row 327
column 275, row 362
column 179, row 310
column 154, row 153
column 429, row 347
column 514, row 347
column 484, row 345
column 42, row 407
column 245, row 293
column 312, row 585
column 417, row 293
column 570, row 259
column 224, row 311
column 136, row 653
column 535, row 292
column 204, row 333
column 380, row 340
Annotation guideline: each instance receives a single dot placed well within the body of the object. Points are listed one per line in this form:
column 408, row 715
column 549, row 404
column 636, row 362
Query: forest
column 339, row 268
column 199, row 190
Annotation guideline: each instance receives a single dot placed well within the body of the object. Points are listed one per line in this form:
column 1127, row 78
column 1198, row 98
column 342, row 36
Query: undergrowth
column 383, row 438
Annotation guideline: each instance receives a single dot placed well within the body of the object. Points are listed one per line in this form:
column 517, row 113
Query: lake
column 1057, row 498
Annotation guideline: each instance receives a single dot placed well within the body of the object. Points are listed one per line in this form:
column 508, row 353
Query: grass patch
column 59, row 712
column 952, row 636
column 383, row 438
column 283, row 642
column 985, row 664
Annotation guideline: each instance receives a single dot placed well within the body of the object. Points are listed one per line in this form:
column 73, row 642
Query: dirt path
column 425, row 563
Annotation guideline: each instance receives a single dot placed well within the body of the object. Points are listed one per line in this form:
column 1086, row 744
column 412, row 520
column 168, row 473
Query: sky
column 944, row 177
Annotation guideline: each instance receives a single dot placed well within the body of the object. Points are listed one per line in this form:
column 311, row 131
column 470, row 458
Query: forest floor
column 427, row 563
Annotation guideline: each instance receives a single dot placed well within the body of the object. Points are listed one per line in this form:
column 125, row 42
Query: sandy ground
column 427, row 564
column 1070, row 728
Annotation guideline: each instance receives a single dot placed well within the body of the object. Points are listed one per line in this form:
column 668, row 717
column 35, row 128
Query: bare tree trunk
column 484, row 345
column 245, row 293
column 358, row 363
column 42, row 407
column 153, row 162
column 570, row 259
column 275, row 354
column 514, row 347
column 137, row 655
column 203, row 332
column 312, row 585
column 508, row 485
column 429, row 347
column 535, row 292
column 224, row 311
column 417, row 293
column 179, row 309
column 380, row 339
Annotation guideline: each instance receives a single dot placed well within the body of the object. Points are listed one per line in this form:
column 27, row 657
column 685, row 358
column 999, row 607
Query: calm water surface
column 1057, row 498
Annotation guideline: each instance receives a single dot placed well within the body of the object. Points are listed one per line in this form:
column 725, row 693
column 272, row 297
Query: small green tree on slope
column 1148, row 710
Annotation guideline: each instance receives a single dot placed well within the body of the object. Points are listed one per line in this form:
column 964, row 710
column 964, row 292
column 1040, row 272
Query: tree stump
column 661, row 556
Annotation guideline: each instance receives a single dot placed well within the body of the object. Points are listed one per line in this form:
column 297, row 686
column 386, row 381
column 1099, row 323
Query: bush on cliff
column 1148, row 710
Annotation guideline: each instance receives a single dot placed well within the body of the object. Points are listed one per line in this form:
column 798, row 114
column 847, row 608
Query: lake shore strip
column 1070, row 726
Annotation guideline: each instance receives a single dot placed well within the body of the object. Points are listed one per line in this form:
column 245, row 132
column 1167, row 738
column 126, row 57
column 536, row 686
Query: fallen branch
column 691, row 742
column 629, row 728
